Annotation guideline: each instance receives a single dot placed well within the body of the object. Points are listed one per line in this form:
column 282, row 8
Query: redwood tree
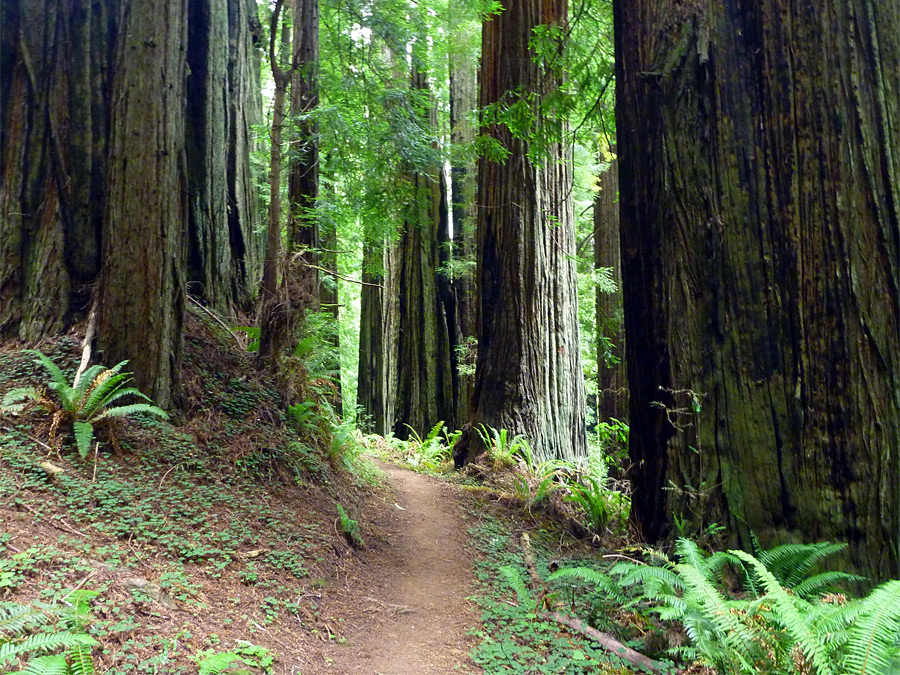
column 96, row 142
column 612, row 386
column 760, row 188
column 528, row 373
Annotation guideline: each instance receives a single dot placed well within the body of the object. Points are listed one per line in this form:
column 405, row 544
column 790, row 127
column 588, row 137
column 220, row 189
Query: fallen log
column 608, row 642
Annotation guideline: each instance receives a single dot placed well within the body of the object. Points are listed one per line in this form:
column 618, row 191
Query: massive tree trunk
column 54, row 93
column 424, row 385
column 141, row 293
column 528, row 374
column 463, row 185
column 612, row 384
column 222, row 256
column 760, row 234
column 76, row 185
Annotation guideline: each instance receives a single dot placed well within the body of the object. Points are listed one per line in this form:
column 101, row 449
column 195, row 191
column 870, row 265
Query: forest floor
column 221, row 543
column 408, row 612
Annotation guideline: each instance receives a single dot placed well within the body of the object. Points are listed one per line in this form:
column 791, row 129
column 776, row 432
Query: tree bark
column 424, row 385
column 612, row 383
column 53, row 145
column 61, row 180
column 528, row 374
column 274, row 319
column 760, row 239
column 141, row 293
column 378, row 334
column 463, row 58
column 300, row 279
column 222, row 211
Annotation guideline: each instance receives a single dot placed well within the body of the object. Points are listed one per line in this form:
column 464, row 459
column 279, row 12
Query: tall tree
column 463, row 56
column 142, row 281
column 612, row 383
column 528, row 373
column 301, row 276
column 223, row 255
column 274, row 312
column 760, row 188
column 424, row 384
column 78, row 191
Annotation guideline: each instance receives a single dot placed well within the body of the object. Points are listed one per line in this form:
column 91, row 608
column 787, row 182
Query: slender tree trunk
column 463, row 186
column 528, row 375
column 760, row 185
column 301, row 279
column 612, row 383
column 274, row 312
column 142, row 284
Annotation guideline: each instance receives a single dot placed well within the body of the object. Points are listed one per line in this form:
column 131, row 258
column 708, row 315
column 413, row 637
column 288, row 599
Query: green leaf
column 84, row 434
column 82, row 660
column 133, row 409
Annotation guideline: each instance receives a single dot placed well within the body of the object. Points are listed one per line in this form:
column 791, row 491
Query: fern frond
column 52, row 664
column 514, row 579
column 126, row 410
column 872, row 643
column 17, row 395
column 87, row 378
column 103, row 386
column 824, row 582
column 15, row 618
column 216, row 663
column 790, row 563
column 125, row 391
column 82, row 660
column 789, row 613
column 42, row 642
column 84, row 434
column 57, row 379
column 435, row 432
column 588, row 575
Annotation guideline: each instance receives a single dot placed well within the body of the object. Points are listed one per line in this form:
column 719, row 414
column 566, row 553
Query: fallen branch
column 87, row 343
column 608, row 642
column 605, row 640
column 217, row 320
column 340, row 276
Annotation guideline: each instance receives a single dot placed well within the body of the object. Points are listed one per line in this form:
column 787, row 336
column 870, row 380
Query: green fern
column 88, row 400
column 513, row 577
column 19, row 639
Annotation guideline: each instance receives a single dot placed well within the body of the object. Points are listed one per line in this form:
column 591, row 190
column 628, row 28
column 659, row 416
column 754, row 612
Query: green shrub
column 83, row 404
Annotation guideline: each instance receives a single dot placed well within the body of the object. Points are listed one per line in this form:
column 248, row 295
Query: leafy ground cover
column 210, row 541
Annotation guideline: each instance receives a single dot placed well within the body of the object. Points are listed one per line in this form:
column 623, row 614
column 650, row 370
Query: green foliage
column 770, row 628
column 83, row 404
column 503, row 448
column 350, row 527
column 237, row 661
column 28, row 631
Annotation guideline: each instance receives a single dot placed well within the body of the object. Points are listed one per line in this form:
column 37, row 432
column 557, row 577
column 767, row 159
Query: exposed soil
column 408, row 613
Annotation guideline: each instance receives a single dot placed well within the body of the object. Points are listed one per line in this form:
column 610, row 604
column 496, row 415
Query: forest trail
column 411, row 612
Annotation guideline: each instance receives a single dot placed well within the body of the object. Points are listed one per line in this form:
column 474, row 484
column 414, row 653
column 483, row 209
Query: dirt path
column 412, row 614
